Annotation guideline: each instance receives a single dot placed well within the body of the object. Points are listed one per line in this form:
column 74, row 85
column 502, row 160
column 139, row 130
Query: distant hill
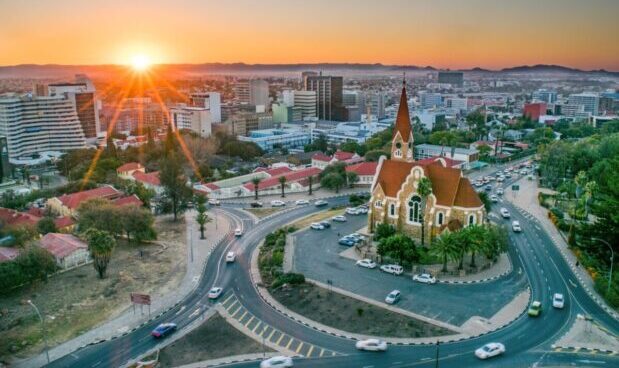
column 554, row 68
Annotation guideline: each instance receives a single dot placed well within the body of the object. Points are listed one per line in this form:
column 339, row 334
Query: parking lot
column 317, row 257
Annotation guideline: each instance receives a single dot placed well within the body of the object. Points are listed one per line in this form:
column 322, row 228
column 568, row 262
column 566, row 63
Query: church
column 453, row 203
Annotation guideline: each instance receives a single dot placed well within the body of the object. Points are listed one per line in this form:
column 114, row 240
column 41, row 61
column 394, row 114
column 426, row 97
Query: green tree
column 138, row 223
column 400, row 247
column 282, row 183
column 424, row 189
column 101, row 245
column 176, row 193
column 333, row 181
column 485, row 199
column 46, row 225
column 256, row 182
column 169, row 143
column 145, row 195
column 445, row 247
column 351, row 178
column 201, row 218
column 484, row 150
column 383, row 230
column 101, row 214
column 21, row 234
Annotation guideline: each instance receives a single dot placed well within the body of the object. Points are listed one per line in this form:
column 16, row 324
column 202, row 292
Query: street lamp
column 44, row 330
column 612, row 258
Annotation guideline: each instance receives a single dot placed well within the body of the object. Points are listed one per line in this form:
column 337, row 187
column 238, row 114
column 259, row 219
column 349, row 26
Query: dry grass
column 317, row 217
column 77, row 300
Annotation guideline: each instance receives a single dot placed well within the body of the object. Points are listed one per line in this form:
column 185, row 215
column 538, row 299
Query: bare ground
column 77, row 300
column 263, row 212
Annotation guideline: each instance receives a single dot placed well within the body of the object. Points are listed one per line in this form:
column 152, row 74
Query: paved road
column 528, row 340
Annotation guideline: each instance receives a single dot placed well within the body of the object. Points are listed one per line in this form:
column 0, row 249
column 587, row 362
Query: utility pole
column 44, row 329
column 437, row 345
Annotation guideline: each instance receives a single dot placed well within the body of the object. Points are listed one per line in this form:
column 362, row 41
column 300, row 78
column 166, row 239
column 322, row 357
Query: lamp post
column 44, row 329
column 612, row 259
column 437, row 345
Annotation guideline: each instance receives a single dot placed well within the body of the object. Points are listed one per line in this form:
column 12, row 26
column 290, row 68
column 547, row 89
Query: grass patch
column 263, row 212
column 348, row 314
column 317, row 217
column 214, row 339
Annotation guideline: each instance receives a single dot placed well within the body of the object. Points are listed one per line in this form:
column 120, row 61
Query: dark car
column 255, row 204
column 346, row 242
column 320, row 203
column 163, row 329
column 326, row 224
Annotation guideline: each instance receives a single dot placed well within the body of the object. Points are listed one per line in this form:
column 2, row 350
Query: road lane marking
column 265, row 329
column 231, row 305
column 243, row 316
column 249, row 321
column 97, row 363
column 322, row 352
column 180, row 310
column 236, row 311
column 299, row 347
column 256, row 327
column 289, row 342
column 271, row 335
column 573, row 284
column 280, row 339
column 195, row 313
column 309, row 352
column 228, row 298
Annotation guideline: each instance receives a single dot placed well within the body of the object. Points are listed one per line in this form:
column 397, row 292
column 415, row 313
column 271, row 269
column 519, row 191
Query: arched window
column 471, row 220
column 414, row 210
column 392, row 209
column 440, row 218
column 398, row 153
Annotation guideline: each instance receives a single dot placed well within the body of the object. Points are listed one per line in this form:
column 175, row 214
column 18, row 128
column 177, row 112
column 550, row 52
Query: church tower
column 402, row 141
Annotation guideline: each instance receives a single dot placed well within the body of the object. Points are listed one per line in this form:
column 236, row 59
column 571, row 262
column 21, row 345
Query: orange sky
column 441, row 33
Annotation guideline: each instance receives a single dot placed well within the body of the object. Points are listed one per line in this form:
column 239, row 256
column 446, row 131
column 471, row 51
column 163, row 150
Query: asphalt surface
column 528, row 340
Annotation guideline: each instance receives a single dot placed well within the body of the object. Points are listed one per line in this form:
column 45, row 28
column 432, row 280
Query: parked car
column 516, row 226
column 346, row 242
column 505, row 213
column 320, row 203
column 277, row 362
column 339, row 218
column 352, row 211
column 317, row 226
column 163, row 329
column 302, row 202
column 494, row 198
column 393, row 297
column 535, row 309
column 367, row 263
column 371, row 345
column 499, row 191
column 362, row 210
column 278, row 203
column 214, row 202
column 238, row 232
column 215, row 292
column 255, row 204
column 490, row 350
column 424, row 278
column 558, row 301
column 230, row 257
column 351, row 238
column 488, row 188
column 392, row 269
column 326, row 224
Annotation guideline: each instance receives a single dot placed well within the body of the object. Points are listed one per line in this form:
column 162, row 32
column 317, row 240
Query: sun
column 140, row 62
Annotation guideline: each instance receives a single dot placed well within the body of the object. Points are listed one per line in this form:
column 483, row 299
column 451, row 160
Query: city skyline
column 276, row 32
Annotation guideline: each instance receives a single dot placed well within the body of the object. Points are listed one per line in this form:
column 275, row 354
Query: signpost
column 141, row 299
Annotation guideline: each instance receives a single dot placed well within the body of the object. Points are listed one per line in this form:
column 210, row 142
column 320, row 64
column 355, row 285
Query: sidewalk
column 230, row 360
column 291, row 197
column 526, row 200
column 128, row 320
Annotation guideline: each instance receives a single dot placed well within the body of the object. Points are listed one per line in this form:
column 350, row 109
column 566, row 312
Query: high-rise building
column 134, row 114
column 328, row 96
column 544, row 95
column 254, row 92
column 40, row 90
column 196, row 119
column 429, row 100
column 590, row 101
column 456, row 79
column 210, row 101
column 33, row 125
column 456, row 103
column 351, row 98
column 377, row 101
column 5, row 165
column 82, row 95
column 305, row 102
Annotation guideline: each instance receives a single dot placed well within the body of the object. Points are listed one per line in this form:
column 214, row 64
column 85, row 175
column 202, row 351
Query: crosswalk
column 262, row 330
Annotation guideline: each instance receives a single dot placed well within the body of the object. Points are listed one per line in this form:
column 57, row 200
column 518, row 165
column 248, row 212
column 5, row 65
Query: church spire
column 402, row 143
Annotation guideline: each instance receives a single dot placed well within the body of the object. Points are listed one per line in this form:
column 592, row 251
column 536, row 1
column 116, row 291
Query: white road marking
column 195, row 313
column 180, row 310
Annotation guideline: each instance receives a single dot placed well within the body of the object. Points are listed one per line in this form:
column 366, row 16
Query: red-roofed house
column 67, row 204
column 11, row 217
column 8, row 254
column 126, row 171
column 64, row 224
column 296, row 181
column 320, row 160
column 365, row 171
column 67, row 250
column 149, row 180
column 128, row 200
column 444, row 161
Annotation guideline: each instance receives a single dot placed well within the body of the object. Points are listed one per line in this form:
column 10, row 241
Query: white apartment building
column 38, row 124
column 305, row 102
column 456, row 103
column 254, row 92
column 196, row 119
column 210, row 101
column 83, row 96
column 590, row 101
column 428, row 100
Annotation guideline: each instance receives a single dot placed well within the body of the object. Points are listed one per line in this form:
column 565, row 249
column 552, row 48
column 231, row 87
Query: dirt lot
column 348, row 314
column 264, row 212
column 77, row 300
column 214, row 339
column 320, row 216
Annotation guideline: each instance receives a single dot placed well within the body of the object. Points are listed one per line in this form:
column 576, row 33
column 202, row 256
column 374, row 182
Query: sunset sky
column 442, row 33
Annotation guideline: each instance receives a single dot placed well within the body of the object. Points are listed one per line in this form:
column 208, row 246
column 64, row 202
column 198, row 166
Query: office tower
column 134, row 114
column 376, row 101
column 210, row 101
column 328, row 96
column 195, row 119
column 305, row 102
column 590, row 101
column 82, row 95
column 241, row 91
column 351, row 98
column 429, row 100
column 304, row 76
column 254, row 92
column 288, row 97
column 39, row 90
column 545, row 96
column 457, row 103
column 5, row 166
column 456, row 79
column 33, row 125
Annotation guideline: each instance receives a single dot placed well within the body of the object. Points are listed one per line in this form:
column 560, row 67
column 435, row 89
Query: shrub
column 557, row 212
column 288, row 278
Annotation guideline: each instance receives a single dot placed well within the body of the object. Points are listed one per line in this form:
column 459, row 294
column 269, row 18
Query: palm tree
column 201, row 218
column 424, row 189
column 101, row 244
column 446, row 248
column 476, row 239
column 256, row 181
column 282, row 182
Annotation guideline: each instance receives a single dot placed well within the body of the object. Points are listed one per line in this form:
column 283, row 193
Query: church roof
column 448, row 185
column 403, row 120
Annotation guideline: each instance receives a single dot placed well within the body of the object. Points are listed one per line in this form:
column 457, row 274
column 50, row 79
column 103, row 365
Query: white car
column 505, row 213
column 425, row 278
column 339, row 218
column 302, row 202
column 214, row 202
column 367, row 263
column 238, row 231
column 494, row 198
column 516, row 226
column 362, row 210
column 317, row 226
column 278, row 203
column 230, row 257
column 277, row 362
column 393, row 297
column 500, row 179
column 499, row 191
column 490, row 350
column 352, row 211
column 371, row 345
column 558, row 301
column 392, row 269
column 215, row 292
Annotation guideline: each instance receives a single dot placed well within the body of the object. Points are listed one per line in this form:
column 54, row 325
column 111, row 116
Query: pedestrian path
column 264, row 332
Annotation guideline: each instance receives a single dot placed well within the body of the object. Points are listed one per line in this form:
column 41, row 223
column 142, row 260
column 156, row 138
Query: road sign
column 137, row 298
column 515, row 187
